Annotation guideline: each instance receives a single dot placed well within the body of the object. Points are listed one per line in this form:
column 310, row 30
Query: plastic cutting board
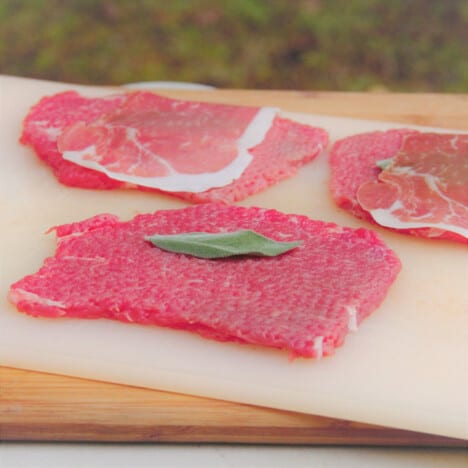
column 406, row 367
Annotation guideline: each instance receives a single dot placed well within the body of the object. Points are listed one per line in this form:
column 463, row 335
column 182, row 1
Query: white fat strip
column 318, row 346
column 132, row 135
column 44, row 127
column 253, row 135
column 386, row 217
column 352, row 318
column 69, row 236
column 283, row 235
column 127, row 316
column 454, row 142
column 17, row 295
column 85, row 259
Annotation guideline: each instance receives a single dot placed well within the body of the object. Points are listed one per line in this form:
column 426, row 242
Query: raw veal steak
column 304, row 301
column 353, row 164
column 46, row 121
column 286, row 146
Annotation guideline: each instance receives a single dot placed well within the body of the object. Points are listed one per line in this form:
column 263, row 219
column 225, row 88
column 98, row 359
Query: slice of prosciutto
column 424, row 186
column 168, row 144
column 422, row 191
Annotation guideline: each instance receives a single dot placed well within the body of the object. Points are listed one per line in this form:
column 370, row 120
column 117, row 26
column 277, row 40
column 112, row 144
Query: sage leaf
column 384, row 163
column 221, row 245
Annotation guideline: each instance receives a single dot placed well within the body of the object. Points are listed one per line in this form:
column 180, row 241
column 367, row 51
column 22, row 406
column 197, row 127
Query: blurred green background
column 398, row 45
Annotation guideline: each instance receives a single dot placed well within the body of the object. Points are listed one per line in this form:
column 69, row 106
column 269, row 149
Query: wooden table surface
column 38, row 406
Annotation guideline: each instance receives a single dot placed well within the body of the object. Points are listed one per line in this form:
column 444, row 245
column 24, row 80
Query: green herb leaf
column 383, row 163
column 221, row 245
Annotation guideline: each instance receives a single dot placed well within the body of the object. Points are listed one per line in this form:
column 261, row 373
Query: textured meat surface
column 353, row 163
column 426, row 185
column 304, row 301
column 47, row 120
column 287, row 146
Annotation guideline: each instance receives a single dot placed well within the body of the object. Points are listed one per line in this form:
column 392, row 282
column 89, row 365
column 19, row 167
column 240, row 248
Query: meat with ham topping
column 196, row 151
column 422, row 190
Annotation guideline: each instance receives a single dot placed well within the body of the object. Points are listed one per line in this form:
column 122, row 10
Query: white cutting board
column 406, row 367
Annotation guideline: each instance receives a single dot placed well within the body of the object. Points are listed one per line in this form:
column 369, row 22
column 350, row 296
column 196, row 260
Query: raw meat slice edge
column 104, row 269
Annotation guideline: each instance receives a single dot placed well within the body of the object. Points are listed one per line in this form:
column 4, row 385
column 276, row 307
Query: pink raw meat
column 353, row 163
column 47, row 120
column 304, row 301
column 426, row 185
column 74, row 119
column 287, row 146
column 151, row 140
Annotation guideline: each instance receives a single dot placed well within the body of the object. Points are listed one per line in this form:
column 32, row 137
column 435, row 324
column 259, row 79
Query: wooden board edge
column 369, row 436
column 28, row 412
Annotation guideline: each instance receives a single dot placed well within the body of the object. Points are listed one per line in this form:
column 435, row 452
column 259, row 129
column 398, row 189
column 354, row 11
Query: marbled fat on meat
column 357, row 183
column 70, row 117
column 46, row 121
column 425, row 185
column 168, row 144
column 304, row 301
column 353, row 161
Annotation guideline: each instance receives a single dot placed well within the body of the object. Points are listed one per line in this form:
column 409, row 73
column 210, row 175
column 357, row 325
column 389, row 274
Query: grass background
column 398, row 45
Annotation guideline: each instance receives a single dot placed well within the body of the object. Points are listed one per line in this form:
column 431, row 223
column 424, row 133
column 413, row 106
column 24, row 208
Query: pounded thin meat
column 353, row 161
column 354, row 170
column 424, row 185
column 304, row 301
column 287, row 145
column 46, row 121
